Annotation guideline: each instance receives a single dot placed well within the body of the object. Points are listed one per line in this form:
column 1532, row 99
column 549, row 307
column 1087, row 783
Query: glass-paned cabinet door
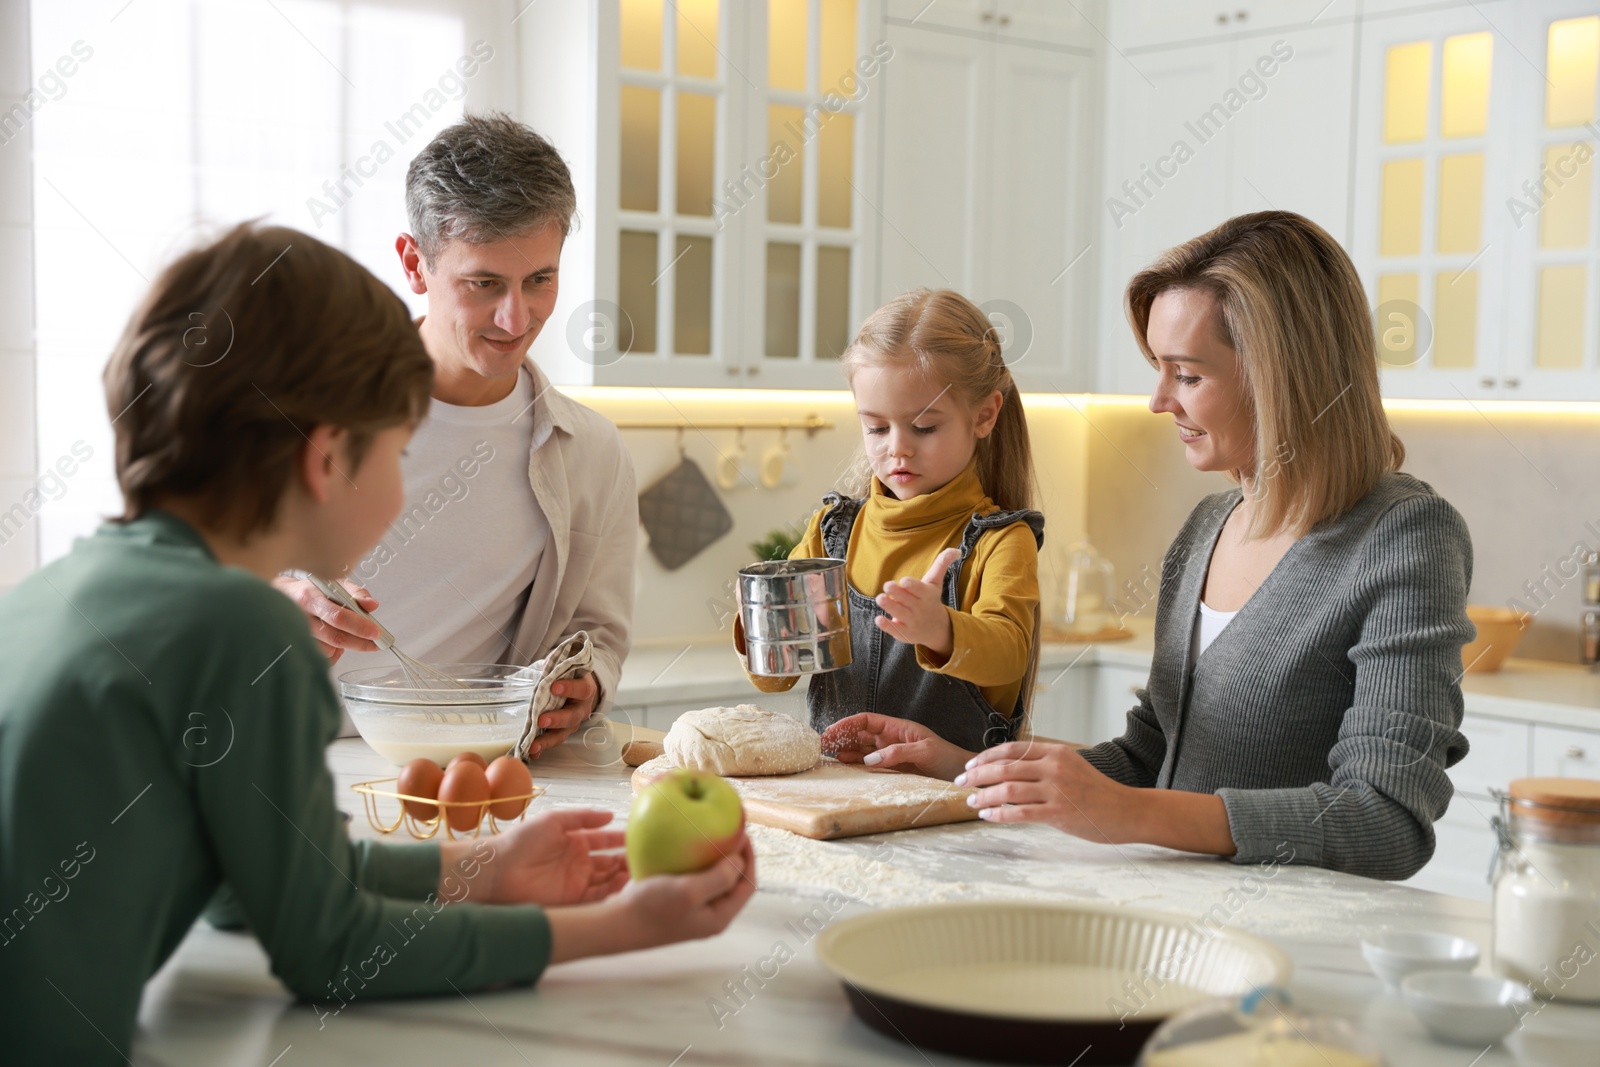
column 1430, row 155
column 1555, row 319
column 802, row 195
column 674, row 126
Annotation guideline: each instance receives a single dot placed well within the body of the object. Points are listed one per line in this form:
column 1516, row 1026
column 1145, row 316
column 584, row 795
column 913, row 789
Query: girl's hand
column 554, row 858
column 884, row 741
column 915, row 613
column 1029, row 781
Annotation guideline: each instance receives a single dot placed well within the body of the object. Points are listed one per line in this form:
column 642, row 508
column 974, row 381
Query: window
column 1565, row 257
column 738, row 165
column 1435, row 122
column 187, row 116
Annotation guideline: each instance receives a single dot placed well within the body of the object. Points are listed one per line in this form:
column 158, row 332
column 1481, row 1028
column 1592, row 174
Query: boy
column 261, row 397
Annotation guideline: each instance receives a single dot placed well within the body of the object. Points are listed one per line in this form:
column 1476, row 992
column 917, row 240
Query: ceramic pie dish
column 1027, row 982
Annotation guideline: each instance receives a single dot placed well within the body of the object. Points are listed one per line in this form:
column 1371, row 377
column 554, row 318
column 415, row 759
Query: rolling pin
column 637, row 753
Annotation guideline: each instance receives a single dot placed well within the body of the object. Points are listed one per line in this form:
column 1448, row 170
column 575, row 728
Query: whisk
column 421, row 675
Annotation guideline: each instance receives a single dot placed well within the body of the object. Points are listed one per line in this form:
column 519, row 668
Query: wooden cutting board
column 836, row 799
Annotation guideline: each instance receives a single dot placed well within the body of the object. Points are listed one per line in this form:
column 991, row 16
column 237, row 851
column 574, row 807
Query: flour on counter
column 987, row 862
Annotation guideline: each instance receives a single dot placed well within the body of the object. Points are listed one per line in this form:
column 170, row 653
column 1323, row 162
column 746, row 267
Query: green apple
column 684, row 821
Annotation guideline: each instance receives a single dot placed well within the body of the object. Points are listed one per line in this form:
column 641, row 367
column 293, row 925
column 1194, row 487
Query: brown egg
column 466, row 757
column 467, row 785
column 509, row 777
column 420, row 778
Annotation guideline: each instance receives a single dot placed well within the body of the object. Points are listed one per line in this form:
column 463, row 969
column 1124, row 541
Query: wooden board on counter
column 836, row 799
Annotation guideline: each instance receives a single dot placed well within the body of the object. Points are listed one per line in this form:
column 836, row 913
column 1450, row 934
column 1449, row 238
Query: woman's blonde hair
column 1290, row 303
column 944, row 334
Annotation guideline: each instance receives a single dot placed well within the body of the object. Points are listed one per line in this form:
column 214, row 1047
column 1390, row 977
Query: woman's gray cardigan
column 1325, row 713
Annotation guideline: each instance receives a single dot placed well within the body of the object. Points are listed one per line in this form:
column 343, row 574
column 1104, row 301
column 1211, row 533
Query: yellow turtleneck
column 998, row 588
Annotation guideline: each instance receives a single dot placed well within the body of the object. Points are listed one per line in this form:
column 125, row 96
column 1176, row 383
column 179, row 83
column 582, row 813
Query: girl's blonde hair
column 944, row 334
column 1290, row 303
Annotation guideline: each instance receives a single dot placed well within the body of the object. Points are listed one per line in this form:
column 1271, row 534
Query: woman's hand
column 916, row 615
column 1031, row 781
column 658, row 910
column 558, row 857
column 884, row 741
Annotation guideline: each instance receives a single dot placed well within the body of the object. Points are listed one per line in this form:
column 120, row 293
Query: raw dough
column 742, row 741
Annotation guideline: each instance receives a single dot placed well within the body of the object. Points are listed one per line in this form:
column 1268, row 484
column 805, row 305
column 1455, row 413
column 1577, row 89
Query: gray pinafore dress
column 884, row 675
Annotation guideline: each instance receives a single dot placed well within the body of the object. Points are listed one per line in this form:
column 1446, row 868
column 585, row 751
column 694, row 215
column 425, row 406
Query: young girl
column 940, row 545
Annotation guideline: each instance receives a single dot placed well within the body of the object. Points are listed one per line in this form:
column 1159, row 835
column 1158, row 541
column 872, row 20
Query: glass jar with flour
column 1546, row 879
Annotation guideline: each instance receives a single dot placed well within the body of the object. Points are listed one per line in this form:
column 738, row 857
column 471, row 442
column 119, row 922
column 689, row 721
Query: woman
column 1303, row 699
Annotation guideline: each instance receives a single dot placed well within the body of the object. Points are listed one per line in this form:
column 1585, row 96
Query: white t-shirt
column 452, row 573
column 1208, row 623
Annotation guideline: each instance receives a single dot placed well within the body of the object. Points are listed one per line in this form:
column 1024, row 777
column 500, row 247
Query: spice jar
column 1546, row 879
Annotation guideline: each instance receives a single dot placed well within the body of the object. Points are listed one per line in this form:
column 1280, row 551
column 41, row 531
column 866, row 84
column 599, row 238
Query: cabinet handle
column 987, row 16
column 1005, row 20
column 1240, row 16
column 1510, row 383
column 1486, row 383
column 1574, row 752
column 1222, row 19
column 752, row 371
column 1134, row 689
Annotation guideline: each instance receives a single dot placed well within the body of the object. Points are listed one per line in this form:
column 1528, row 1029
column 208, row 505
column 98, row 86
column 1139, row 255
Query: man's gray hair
column 486, row 178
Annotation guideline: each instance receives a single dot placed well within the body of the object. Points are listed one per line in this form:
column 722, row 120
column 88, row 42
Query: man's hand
column 336, row 628
column 558, row 857
column 884, row 741
column 582, row 694
column 915, row 613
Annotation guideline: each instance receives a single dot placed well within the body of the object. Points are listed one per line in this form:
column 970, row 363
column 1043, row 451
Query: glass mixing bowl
column 402, row 721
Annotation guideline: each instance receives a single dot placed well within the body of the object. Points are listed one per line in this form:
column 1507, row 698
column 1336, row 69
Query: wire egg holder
column 423, row 829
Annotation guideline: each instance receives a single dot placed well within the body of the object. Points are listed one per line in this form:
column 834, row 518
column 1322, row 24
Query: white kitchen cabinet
column 1562, row 752
column 1498, row 752
column 986, row 151
column 1465, row 843
column 1217, row 128
column 725, row 167
column 1144, row 24
column 1477, row 239
column 1115, row 694
column 1063, row 701
column 1029, row 22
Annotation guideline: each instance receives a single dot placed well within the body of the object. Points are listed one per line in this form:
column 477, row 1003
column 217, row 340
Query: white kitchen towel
column 572, row 656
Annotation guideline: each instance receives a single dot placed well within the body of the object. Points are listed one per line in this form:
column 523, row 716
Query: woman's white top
column 1208, row 623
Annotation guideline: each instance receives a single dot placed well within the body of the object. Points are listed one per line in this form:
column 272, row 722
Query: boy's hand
column 915, row 613
column 557, row 857
column 657, row 910
column 335, row 628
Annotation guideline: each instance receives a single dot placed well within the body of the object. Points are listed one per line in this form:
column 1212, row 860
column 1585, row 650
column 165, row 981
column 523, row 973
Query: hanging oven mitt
column 572, row 656
column 682, row 514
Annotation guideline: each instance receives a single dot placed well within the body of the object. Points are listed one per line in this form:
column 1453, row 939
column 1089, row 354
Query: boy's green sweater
column 162, row 726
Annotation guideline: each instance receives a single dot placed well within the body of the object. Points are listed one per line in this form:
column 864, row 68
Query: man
column 521, row 513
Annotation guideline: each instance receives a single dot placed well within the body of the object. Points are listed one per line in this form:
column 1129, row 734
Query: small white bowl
column 1465, row 1009
column 1394, row 954
column 1546, row 1041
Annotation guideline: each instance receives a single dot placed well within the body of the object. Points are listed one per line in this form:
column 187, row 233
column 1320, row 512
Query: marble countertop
column 216, row 1001
column 1525, row 690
